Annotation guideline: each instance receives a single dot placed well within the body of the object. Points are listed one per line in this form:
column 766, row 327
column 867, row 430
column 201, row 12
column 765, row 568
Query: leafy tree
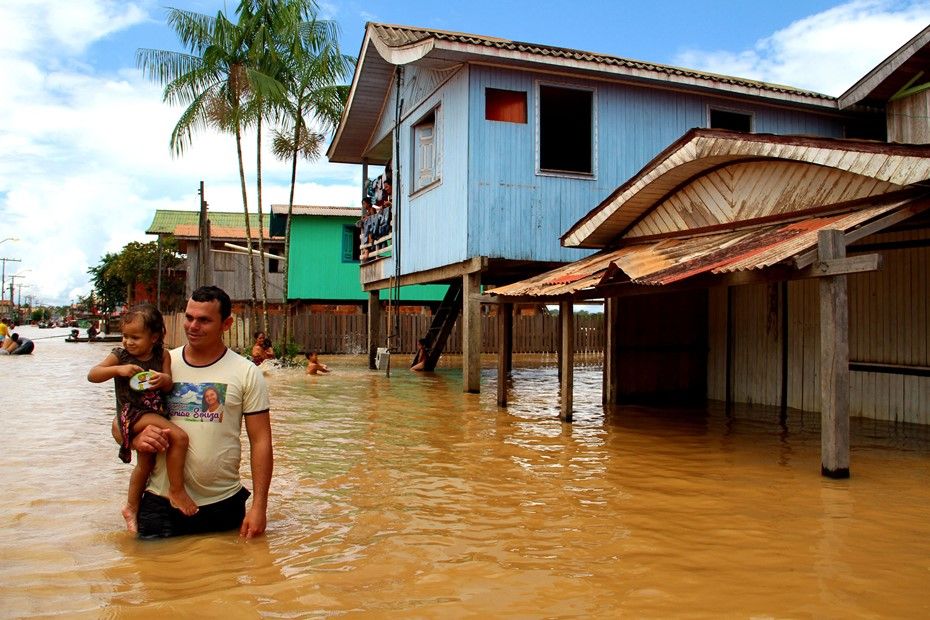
column 109, row 288
column 311, row 68
column 215, row 81
column 117, row 274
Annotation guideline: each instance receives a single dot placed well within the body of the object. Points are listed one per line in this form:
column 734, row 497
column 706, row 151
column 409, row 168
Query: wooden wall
column 888, row 315
column 909, row 119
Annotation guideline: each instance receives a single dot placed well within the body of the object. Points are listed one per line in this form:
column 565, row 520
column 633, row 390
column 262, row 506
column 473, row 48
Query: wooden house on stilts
column 482, row 151
column 774, row 269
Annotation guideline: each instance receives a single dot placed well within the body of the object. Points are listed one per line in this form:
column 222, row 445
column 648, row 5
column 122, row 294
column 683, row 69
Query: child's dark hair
column 151, row 319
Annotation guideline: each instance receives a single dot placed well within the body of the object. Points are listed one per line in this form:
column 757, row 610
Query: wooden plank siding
column 908, row 119
column 434, row 221
column 492, row 202
column 888, row 324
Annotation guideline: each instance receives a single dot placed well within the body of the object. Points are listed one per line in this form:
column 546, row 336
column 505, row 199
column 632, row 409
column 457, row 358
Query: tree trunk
column 287, row 234
column 261, row 226
column 245, row 209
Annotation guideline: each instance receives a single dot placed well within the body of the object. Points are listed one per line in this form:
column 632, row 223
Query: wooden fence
column 348, row 334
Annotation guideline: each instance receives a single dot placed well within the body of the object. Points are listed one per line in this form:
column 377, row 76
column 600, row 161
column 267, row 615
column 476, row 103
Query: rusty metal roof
column 669, row 260
column 192, row 231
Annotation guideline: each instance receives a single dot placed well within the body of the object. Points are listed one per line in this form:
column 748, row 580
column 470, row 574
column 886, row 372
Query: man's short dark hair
column 214, row 293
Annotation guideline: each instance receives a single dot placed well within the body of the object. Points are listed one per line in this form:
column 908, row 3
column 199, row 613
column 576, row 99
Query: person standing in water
column 208, row 377
column 139, row 403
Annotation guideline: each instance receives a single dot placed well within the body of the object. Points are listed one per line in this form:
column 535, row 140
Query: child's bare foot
column 183, row 502
column 129, row 514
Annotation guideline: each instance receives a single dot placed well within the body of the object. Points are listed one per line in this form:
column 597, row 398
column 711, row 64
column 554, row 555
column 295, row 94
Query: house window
column 351, row 243
column 508, row 106
column 566, row 130
column 274, row 265
column 728, row 119
column 426, row 151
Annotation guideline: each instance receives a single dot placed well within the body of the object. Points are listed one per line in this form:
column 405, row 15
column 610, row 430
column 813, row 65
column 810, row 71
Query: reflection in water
column 403, row 496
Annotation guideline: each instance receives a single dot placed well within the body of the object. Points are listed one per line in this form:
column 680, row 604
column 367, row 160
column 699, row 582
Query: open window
column 566, row 130
column 506, row 106
column 729, row 119
column 426, row 151
column 351, row 244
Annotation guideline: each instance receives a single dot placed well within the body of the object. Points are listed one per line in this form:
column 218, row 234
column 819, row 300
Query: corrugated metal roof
column 671, row 260
column 166, row 220
column 323, row 210
column 406, row 36
column 192, row 231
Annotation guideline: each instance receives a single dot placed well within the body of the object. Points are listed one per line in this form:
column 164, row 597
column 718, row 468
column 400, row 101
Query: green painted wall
column 319, row 270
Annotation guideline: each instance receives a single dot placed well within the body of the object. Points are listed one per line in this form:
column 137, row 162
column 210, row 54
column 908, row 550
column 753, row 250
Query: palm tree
column 215, row 82
column 312, row 66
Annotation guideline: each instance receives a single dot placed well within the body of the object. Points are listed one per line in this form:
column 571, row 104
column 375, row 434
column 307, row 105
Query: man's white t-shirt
column 212, row 421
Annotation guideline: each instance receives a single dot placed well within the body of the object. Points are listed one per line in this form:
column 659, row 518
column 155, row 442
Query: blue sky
column 84, row 158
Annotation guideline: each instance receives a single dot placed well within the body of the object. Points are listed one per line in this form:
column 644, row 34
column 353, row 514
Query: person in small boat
column 14, row 344
column 4, row 330
column 315, row 366
column 92, row 332
column 138, row 406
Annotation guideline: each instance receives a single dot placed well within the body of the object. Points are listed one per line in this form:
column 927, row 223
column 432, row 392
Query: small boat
column 75, row 336
column 107, row 338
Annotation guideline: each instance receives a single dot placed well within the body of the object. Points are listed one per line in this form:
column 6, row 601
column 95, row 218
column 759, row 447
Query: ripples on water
column 404, row 497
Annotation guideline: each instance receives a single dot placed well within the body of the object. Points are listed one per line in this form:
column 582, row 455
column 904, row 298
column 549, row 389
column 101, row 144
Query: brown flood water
column 403, row 497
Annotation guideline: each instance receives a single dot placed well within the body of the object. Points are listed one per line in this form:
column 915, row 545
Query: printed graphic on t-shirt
column 197, row 402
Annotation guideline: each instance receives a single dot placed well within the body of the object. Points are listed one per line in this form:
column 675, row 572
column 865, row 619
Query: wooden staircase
column 442, row 324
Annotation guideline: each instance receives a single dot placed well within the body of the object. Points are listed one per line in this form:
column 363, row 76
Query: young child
column 138, row 406
column 314, row 366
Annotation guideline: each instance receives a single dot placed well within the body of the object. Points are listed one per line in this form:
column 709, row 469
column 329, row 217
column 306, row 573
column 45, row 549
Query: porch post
column 834, row 360
column 504, row 350
column 567, row 358
column 374, row 327
column 611, row 387
column 471, row 332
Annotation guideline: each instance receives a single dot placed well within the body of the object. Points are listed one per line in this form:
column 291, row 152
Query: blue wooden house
column 491, row 149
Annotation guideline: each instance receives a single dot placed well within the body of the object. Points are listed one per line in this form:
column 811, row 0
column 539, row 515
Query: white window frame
column 426, row 152
column 540, row 171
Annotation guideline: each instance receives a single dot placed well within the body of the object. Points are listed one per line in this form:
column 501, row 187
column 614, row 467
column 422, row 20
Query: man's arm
column 258, row 428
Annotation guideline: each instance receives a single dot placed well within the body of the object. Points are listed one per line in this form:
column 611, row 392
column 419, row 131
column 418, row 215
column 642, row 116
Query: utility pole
column 3, row 280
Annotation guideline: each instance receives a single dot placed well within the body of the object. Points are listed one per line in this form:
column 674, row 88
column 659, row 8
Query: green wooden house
column 324, row 258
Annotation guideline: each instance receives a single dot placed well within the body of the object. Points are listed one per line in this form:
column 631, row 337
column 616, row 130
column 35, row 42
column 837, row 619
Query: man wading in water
column 207, row 374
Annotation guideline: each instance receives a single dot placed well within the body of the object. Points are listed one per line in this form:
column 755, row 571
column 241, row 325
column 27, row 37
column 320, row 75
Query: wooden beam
column 567, row 359
column 374, row 327
column 432, row 276
column 834, row 361
column 504, row 351
column 611, row 389
column 471, row 332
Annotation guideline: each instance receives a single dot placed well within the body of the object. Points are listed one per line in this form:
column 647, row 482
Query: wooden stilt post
column 611, row 395
column 567, row 358
column 471, row 332
column 374, row 327
column 834, row 360
column 504, row 351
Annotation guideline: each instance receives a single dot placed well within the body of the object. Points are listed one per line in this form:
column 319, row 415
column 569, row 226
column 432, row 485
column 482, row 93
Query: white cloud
column 84, row 157
column 827, row 52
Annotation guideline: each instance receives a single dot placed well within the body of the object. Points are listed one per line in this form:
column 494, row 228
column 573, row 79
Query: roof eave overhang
column 700, row 150
column 371, row 82
column 861, row 90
